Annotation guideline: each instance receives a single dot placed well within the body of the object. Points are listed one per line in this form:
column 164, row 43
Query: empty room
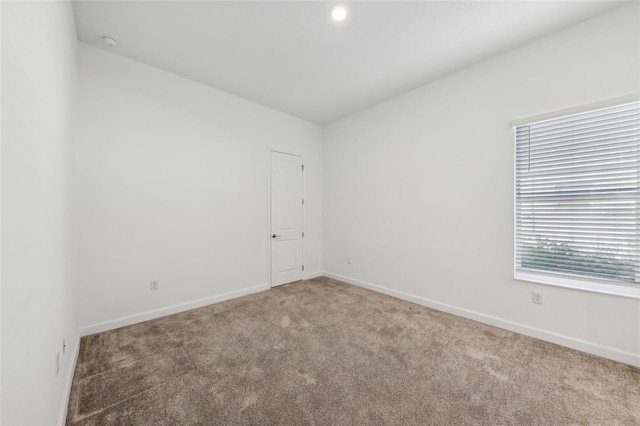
column 319, row 212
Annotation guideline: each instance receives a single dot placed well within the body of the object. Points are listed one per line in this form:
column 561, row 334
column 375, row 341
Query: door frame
column 269, row 246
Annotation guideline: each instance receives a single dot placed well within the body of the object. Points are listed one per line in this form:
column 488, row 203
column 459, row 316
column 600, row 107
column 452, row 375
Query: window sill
column 623, row 290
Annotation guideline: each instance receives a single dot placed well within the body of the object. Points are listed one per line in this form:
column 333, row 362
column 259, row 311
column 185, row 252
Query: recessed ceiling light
column 338, row 12
column 109, row 42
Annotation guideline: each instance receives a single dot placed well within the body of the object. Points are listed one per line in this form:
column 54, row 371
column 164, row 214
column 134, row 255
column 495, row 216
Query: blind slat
column 606, row 263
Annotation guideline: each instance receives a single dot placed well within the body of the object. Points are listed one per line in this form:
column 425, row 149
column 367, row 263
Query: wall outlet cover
column 536, row 298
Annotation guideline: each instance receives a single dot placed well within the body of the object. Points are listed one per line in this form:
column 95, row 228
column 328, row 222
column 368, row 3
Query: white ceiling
column 290, row 56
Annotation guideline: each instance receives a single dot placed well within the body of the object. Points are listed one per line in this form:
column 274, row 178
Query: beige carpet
column 321, row 352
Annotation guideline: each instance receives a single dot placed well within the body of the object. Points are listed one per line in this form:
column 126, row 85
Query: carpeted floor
column 323, row 352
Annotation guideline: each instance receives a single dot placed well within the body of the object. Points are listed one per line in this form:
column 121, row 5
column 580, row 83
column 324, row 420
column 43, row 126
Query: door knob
column 275, row 236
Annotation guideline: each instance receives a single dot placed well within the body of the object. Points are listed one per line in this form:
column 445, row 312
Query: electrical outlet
column 348, row 261
column 57, row 363
column 154, row 285
column 536, row 298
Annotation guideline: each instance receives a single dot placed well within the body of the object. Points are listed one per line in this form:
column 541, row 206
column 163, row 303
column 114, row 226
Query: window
column 577, row 193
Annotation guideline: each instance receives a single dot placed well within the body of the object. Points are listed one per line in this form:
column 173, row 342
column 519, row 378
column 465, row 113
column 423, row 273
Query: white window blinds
column 577, row 194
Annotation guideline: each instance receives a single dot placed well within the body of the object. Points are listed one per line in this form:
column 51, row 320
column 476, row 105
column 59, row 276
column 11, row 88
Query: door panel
column 286, row 218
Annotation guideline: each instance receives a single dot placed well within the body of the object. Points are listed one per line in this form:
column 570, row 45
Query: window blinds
column 577, row 194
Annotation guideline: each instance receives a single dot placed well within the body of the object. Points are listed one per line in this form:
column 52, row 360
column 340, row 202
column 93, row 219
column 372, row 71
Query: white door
column 286, row 218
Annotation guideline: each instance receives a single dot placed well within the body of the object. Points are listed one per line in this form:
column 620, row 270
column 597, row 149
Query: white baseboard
column 578, row 344
column 173, row 309
column 71, row 369
column 313, row 275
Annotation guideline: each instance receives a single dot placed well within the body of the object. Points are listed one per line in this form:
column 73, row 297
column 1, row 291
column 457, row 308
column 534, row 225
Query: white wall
column 38, row 91
column 418, row 190
column 172, row 185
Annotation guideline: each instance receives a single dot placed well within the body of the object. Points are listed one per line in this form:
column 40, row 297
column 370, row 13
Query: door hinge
column 303, row 167
column 303, row 235
column 303, row 201
column 303, row 267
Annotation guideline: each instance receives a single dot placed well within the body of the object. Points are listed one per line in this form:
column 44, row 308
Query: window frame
column 559, row 279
